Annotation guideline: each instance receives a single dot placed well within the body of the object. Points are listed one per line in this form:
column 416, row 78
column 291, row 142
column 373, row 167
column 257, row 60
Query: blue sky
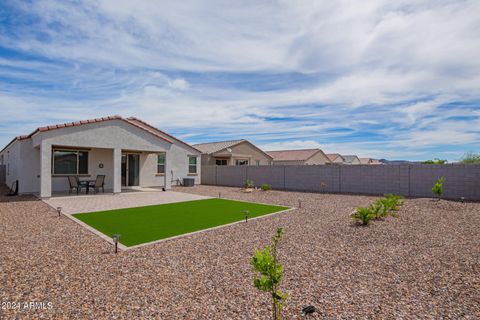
column 384, row 79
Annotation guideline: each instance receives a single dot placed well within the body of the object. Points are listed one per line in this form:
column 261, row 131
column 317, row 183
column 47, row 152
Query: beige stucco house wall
column 29, row 158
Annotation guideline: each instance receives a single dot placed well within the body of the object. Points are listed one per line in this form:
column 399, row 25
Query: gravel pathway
column 423, row 264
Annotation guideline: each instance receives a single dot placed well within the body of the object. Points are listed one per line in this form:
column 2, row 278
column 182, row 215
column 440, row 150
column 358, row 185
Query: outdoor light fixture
column 308, row 310
column 246, row 212
column 462, row 199
column 59, row 210
column 115, row 238
column 299, row 203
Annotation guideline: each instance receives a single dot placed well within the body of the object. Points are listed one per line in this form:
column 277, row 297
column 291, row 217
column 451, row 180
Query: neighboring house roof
column 376, row 161
column 212, row 147
column 350, row 158
column 334, row 156
column 133, row 121
column 293, row 155
column 365, row 160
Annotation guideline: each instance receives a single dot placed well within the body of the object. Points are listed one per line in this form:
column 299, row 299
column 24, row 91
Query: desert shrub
column 363, row 215
column 438, row 187
column 265, row 262
column 266, row 187
column 379, row 209
column 470, row 158
column 392, row 201
column 248, row 184
column 436, row 161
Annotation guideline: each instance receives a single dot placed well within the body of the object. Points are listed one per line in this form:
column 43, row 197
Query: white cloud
column 381, row 69
column 180, row 84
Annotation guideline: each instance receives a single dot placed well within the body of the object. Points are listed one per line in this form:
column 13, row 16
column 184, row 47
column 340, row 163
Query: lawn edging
column 91, row 229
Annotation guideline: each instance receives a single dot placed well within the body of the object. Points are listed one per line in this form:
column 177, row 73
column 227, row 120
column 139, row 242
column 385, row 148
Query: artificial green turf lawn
column 146, row 224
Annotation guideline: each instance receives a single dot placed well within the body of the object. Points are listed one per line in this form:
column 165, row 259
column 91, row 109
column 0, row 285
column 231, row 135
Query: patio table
column 87, row 184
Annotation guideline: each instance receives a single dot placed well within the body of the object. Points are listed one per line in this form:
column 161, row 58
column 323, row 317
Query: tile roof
column 293, row 155
column 349, row 158
column 133, row 121
column 365, row 160
column 334, row 156
column 212, row 147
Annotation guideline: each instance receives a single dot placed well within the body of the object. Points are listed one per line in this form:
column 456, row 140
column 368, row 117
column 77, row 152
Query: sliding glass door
column 130, row 169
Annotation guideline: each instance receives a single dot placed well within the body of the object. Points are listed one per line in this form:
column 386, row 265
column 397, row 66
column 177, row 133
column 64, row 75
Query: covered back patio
column 126, row 154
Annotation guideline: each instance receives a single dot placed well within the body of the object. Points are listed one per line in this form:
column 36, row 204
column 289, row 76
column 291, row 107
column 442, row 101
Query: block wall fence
column 406, row 180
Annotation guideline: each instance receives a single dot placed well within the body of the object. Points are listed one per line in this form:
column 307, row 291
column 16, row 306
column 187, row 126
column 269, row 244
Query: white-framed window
column 257, row 162
column 192, row 164
column 70, row 161
column 270, row 162
column 1, row 159
column 161, row 158
column 221, row 162
column 241, row 162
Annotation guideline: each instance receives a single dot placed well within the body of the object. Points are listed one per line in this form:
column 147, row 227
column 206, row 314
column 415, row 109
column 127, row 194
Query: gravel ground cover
column 151, row 223
column 422, row 265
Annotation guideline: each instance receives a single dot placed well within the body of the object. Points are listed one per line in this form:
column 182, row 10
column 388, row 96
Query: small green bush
column 392, row 201
column 438, row 187
column 248, row 184
column 363, row 215
column 266, row 187
column 379, row 209
column 269, row 274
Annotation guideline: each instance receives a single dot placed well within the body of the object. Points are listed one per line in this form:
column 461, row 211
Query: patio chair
column 99, row 183
column 75, row 184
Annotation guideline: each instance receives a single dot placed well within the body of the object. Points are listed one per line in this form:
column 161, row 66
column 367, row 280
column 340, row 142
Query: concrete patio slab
column 102, row 202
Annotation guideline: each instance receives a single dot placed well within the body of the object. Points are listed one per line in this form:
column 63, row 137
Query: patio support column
column 117, row 170
column 45, row 169
column 169, row 174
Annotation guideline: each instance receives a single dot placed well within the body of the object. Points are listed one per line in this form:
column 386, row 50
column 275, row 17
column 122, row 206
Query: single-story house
column 299, row 157
column 351, row 159
column 369, row 161
column 336, row 158
column 129, row 152
column 233, row 153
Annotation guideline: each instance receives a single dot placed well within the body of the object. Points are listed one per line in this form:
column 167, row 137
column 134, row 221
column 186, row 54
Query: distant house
column 336, row 158
column 369, row 161
column 233, row 153
column 299, row 157
column 351, row 159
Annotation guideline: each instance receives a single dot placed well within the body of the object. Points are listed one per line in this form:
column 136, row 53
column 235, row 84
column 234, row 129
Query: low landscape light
column 462, row 199
column 115, row 238
column 308, row 310
column 59, row 210
column 299, row 203
column 219, row 194
column 246, row 212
